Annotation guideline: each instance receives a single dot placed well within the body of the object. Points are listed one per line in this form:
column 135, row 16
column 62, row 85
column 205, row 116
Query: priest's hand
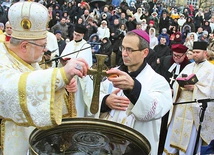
column 113, row 101
column 72, row 86
column 189, row 87
column 47, row 57
column 122, row 81
column 63, row 61
column 77, row 67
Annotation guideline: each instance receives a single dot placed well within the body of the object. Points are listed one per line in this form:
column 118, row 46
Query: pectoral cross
column 172, row 78
column 98, row 75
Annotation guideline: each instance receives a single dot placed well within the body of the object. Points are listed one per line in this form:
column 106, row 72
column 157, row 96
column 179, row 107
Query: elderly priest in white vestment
column 31, row 97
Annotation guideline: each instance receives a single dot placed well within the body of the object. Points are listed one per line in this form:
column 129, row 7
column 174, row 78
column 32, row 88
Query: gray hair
column 142, row 42
column 16, row 41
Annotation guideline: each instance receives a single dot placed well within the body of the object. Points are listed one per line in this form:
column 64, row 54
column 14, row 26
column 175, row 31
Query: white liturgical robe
column 29, row 98
column 83, row 95
column 186, row 116
column 154, row 102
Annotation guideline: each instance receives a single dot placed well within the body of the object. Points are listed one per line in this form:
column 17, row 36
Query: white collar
column 177, row 66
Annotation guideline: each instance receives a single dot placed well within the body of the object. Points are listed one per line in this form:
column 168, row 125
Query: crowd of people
column 113, row 21
column 148, row 44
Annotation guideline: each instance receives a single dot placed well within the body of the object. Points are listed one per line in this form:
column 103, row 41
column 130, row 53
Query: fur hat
column 28, row 20
column 144, row 20
column 182, row 15
column 104, row 21
column 154, row 13
column 104, row 15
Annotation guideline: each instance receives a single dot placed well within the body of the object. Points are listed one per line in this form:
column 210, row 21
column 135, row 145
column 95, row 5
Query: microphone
column 60, row 57
column 49, row 52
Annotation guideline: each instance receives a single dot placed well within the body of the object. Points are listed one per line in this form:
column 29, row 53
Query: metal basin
column 88, row 136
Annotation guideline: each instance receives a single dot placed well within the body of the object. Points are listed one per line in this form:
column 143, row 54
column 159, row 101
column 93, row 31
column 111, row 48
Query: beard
column 39, row 59
column 33, row 58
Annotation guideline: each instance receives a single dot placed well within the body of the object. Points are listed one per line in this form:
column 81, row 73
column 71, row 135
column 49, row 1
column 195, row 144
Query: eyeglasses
column 128, row 49
column 43, row 46
column 178, row 56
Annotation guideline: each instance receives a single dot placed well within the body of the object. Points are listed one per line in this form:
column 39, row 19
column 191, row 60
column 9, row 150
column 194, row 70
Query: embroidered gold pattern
column 64, row 76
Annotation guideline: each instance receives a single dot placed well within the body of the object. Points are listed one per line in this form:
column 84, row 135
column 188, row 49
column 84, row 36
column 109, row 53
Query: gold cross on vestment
column 98, row 75
column 44, row 92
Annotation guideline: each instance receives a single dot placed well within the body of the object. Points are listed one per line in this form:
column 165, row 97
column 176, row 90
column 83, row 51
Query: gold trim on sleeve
column 62, row 71
column 52, row 109
column 23, row 97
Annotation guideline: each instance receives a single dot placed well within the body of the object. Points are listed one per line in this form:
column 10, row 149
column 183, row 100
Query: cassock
column 185, row 117
column 154, row 100
column 166, row 63
column 170, row 66
column 83, row 95
column 28, row 100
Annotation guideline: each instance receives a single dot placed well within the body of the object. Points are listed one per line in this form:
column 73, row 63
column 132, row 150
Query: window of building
column 193, row 2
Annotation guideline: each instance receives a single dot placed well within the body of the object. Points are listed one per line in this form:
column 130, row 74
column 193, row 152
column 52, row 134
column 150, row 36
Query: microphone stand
column 60, row 57
column 201, row 117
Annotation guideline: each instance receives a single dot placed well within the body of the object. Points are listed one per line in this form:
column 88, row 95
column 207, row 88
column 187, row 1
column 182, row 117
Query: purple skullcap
column 142, row 34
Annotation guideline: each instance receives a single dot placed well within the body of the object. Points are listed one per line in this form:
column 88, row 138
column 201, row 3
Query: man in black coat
column 116, row 37
column 91, row 29
column 106, row 49
column 61, row 42
column 162, row 49
column 164, row 22
column 131, row 23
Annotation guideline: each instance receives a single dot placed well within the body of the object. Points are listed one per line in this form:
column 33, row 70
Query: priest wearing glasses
column 169, row 67
column 138, row 97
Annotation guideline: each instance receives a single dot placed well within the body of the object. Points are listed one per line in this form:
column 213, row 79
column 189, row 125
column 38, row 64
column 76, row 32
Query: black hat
column 79, row 28
column 200, row 45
